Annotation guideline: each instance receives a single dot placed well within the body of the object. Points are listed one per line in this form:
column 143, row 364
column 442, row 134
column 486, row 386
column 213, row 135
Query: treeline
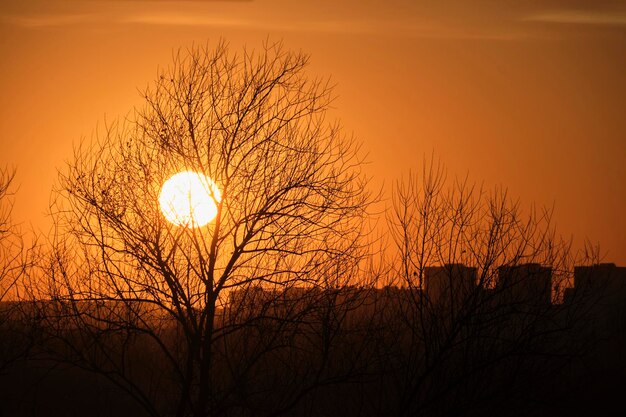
column 353, row 351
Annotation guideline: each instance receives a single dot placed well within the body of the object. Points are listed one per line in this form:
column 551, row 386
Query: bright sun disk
column 189, row 199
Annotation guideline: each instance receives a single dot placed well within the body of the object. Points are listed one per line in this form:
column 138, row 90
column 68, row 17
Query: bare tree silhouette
column 478, row 323
column 16, row 336
column 7, row 234
column 151, row 305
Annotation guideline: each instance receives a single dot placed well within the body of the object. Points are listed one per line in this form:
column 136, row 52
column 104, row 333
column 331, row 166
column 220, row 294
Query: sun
column 189, row 199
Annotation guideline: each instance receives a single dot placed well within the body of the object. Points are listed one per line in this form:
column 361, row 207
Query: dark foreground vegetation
column 449, row 348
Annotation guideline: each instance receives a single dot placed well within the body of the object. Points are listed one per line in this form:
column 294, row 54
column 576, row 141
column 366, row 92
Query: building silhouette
column 606, row 281
column 449, row 284
column 529, row 284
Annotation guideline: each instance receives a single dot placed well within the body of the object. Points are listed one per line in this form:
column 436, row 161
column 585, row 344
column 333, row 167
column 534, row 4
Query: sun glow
column 189, row 199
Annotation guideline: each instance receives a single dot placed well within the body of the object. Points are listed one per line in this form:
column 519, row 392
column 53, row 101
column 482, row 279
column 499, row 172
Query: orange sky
column 527, row 94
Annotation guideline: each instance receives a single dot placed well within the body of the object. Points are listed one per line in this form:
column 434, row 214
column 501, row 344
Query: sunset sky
column 530, row 95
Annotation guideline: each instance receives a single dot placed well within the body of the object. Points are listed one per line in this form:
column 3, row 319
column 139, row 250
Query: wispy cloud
column 48, row 20
column 183, row 19
column 393, row 25
column 350, row 26
column 190, row 19
column 581, row 17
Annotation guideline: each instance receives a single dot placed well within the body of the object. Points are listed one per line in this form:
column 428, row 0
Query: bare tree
column 145, row 302
column 9, row 247
column 9, row 269
column 16, row 326
column 478, row 308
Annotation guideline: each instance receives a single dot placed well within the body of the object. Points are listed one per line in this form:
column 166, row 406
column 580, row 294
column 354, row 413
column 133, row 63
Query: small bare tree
column 10, row 248
column 478, row 309
column 15, row 260
column 145, row 302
